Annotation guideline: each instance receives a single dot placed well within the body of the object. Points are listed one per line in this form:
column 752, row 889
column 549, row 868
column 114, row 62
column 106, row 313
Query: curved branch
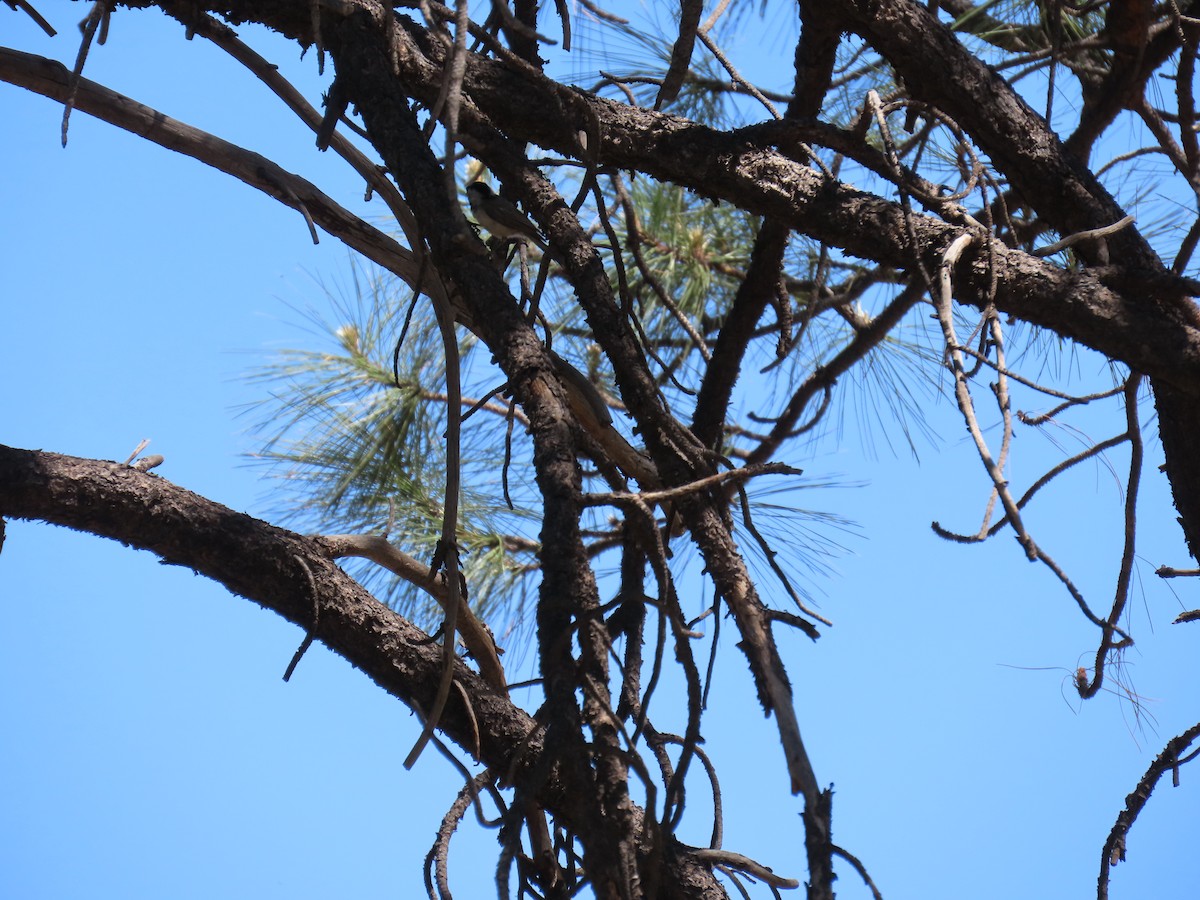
column 257, row 560
column 681, row 52
column 1114, row 846
column 51, row 79
column 381, row 551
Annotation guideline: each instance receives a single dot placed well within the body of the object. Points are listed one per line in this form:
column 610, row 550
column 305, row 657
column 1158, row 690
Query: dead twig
column 858, row 867
column 962, row 393
column 744, row 864
column 475, row 634
column 1081, row 236
column 96, row 19
column 1115, row 844
column 731, row 476
column 313, row 625
column 33, row 14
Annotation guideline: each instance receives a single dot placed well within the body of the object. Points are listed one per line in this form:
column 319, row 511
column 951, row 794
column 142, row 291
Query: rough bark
column 271, row 566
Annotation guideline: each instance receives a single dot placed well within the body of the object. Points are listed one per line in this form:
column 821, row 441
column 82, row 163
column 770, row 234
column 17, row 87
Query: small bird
column 500, row 217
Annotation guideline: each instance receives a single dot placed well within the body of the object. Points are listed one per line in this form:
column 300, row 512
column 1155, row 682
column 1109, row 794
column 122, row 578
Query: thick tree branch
column 744, row 168
column 51, row 79
column 1065, row 193
column 258, row 561
column 568, row 596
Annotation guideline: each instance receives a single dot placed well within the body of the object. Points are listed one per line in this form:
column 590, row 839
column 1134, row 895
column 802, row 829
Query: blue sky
column 151, row 749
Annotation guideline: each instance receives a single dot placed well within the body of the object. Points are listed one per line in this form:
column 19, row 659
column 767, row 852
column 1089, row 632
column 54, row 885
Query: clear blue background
column 149, row 747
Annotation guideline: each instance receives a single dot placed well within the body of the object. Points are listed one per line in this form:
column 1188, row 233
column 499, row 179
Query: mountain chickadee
column 500, row 217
